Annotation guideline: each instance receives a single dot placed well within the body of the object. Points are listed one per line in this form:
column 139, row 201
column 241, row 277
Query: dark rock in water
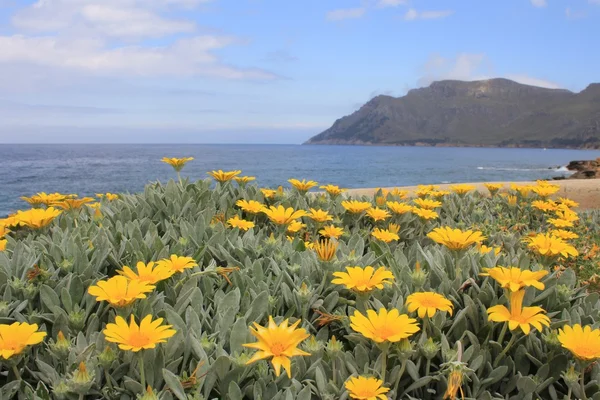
column 558, row 178
column 585, row 169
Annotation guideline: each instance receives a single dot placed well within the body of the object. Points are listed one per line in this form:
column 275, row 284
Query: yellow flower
column 380, row 201
column 295, row 226
column 394, row 228
column 583, row 342
column 3, row 244
column 242, row 224
column 568, row 202
column 331, row 231
column 514, row 279
column 363, row 388
column 135, row 338
column 150, row 273
column 37, row 218
column 303, row 185
column 120, row 291
column 455, row 239
column 268, row 193
column 377, row 214
column 560, row 223
column 461, row 189
column 363, row 279
column 177, row 263
column 563, row 234
column 44, row 198
column 319, row 215
column 397, row 192
column 242, row 180
column 567, row 215
column 425, row 214
column 545, row 190
column 177, row 163
column 511, row 200
column 384, row 235
column 72, row 203
column 283, row 216
column 385, row 326
column 279, row 342
column 109, row 196
column 355, row 206
column 333, row 190
column 250, row 206
column 325, row 249
column 438, row 193
column 427, row 303
column 16, row 336
column 546, row 244
column 424, row 190
column 524, row 190
column 224, row 176
column 483, row 249
column 493, row 187
column 519, row 316
column 544, row 205
column 398, row 207
column 427, row 203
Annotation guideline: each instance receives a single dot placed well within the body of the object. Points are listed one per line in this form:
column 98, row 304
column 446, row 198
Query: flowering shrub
column 221, row 289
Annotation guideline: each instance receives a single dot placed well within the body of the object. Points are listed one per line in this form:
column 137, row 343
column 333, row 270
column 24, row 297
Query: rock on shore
column 585, row 169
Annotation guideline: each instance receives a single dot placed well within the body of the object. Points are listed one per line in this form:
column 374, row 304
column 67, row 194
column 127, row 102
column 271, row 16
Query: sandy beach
column 584, row 191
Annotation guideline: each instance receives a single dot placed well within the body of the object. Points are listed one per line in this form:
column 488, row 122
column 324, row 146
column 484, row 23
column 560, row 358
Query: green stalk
column 428, row 367
column 502, row 333
column 142, row 371
column 508, row 346
column 384, row 354
column 402, row 368
column 16, row 371
column 457, row 272
column 334, row 370
column 107, row 377
column 582, row 383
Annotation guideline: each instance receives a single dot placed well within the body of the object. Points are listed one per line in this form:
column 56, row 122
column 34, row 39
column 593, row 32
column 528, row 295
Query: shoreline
column 584, row 191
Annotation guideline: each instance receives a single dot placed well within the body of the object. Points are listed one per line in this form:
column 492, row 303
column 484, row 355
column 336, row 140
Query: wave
column 556, row 169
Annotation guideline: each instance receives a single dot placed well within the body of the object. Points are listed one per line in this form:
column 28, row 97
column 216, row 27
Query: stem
column 16, row 371
column 384, row 352
column 426, row 326
column 107, row 377
column 582, row 383
column 179, row 179
column 402, row 368
column 142, row 371
column 334, row 370
column 508, row 346
column 362, row 302
column 456, row 264
column 569, row 393
column 80, row 396
column 427, row 367
column 502, row 333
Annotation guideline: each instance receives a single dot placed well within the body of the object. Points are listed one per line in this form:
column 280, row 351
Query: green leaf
column 174, row 384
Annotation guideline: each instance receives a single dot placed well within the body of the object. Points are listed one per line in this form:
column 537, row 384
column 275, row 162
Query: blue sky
column 263, row 71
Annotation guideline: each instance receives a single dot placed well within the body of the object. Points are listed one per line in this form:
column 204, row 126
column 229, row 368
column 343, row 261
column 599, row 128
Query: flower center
column 12, row 345
column 585, row 352
column 277, row 349
column 429, row 303
column 138, row 339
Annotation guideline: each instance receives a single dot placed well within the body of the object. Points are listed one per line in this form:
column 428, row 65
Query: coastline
column 584, row 191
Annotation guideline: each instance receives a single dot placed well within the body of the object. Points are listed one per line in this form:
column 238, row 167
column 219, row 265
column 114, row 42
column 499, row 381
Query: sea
column 87, row 169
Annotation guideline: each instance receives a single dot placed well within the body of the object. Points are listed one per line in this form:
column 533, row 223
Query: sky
column 263, row 71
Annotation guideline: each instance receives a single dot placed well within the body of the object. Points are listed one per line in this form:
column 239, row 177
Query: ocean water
column 90, row 169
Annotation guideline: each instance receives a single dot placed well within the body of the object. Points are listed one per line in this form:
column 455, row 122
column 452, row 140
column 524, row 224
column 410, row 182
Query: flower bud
column 82, row 379
column 66, row 265
column 240, row 360
column 419, row 277
column 312, row 345
column 571, row 377
column 405, row 349
column 4, row 309
column 148, row 394
column 304, row 293
column 564, row 293
column 61, row 347
column 429, row 349
column 77, row 320
column 61, row 390
column 207, row 343
column 107, row 357
column 183, row 241
column 30, row 291
column 551, row 339
column 334, row 347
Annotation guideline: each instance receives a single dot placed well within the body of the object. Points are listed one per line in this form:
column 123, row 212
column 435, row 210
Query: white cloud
column 539, row 3
column 471, row 67
column 391, row 3
column 573, row 14
column 106, row 38
column 346, row 13
column 413, row 14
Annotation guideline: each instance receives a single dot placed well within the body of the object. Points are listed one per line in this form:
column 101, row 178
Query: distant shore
column 541, row 146
column 584, row 191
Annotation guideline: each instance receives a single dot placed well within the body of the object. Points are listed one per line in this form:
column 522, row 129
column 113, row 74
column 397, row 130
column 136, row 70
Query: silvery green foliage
column 206, row 359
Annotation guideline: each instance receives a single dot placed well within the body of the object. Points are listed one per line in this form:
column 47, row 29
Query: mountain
column 493, row 112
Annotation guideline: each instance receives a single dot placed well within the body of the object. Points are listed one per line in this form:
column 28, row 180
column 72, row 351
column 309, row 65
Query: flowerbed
column 218, row 289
